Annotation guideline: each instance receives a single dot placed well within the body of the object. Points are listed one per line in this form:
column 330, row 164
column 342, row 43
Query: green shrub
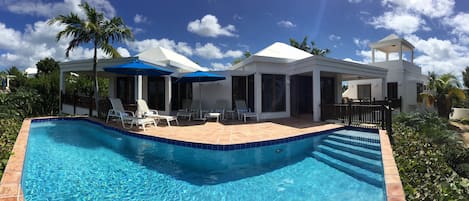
column 426, row 153
column 9, row 129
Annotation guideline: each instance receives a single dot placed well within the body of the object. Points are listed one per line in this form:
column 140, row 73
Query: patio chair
column 220, row 107
column 243, row 111
column 185, row 111
column 142, row 109
column 119, row 112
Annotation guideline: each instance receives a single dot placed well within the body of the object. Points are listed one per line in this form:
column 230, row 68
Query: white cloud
column 210, row 51
column 362, row 44
column 237, row 17
column 208, row 26
column 140, row 19
column 286, row 24
column 123, row 52
column 47, row 9
column 220, row 66
column 430, row 8
column 459, row 26
column 354, row 1
column 37, row 41
column 351, row 60
column 142, row 45
column 402, row 23
column 334, row 37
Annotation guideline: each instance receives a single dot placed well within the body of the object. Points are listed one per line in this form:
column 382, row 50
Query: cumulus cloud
column 210, row 51
column 208, row 26
column 429, row 8
column 220, row 66
column 402, row 23
column 362, row 44
column 142, row 45
column 48, row 9
column 286, row 24
column 334, row 37
column 140, row 19
column 37, row 41
column 354, row 1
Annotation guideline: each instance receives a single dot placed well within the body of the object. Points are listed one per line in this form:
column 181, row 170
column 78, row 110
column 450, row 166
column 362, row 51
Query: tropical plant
column 309, row 48
column 444, row 92
column 246, row 55
column 95, row 29
column 47, row 66
column 465, row 77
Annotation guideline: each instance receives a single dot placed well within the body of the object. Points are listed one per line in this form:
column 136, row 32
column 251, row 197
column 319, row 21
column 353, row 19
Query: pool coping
column 10, row 184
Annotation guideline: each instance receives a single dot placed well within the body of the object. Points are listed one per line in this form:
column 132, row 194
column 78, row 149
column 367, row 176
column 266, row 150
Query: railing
column 360, row 115
column 86, row 102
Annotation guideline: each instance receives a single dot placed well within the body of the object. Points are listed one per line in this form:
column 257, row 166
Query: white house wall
column 376, row 89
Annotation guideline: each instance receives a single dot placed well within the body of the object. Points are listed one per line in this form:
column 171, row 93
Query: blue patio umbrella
column 137, row 67
column 200, row 76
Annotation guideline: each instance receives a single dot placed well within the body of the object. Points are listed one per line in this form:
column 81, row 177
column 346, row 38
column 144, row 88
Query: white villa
column 279, row 81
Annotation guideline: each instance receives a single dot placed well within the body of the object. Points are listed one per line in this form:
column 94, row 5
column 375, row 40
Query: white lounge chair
column 243, row 111
column 220, row 107
column 119, row 112
column 142, row 109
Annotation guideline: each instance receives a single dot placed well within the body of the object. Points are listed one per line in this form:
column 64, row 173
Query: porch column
column 400, row 52
column 373, row 55
column 412, row 56
column 167, row 94
column 61, row 89
column 338, row 87
column 139, row 91
column 384, row 86
column 258, row 93
column 316, row 94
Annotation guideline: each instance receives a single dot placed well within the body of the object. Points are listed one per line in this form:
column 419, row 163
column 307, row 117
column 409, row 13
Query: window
column 364, row 91
column 243, row 89
column 392, row 90
column 419, row 91
column 156, row 93
column 273, row 93
column 180, row 91
column 125, row 90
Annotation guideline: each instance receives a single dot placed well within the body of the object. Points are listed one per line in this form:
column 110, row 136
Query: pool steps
column 354, row 153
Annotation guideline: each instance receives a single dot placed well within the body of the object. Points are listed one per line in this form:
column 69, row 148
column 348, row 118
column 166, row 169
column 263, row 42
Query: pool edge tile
column 393, row 183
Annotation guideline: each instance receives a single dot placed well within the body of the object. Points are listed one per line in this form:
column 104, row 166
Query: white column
column 400, row 51
column 387, row 56
column 139, row 91
column 384, row 86
column 167, row 93
column 61, row 89
column 373, row 55
column 316, row 94
column 258, row 94
column 412, row 56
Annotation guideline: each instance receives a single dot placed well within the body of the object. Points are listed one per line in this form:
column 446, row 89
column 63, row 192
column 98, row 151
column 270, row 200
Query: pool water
column 77, row 159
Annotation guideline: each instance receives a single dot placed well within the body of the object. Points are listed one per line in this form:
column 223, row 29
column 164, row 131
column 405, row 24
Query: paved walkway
column 464, row 131
column 234, row 132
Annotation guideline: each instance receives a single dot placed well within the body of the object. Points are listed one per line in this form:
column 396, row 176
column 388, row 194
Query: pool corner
column 394, row 188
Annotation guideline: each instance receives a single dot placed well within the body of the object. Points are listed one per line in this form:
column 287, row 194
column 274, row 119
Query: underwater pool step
column 357, row 160
column 357, row 135
column 360, row 143
column 365, row 152
column 357, row 172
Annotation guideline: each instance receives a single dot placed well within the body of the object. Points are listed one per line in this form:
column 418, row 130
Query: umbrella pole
column 200, row 99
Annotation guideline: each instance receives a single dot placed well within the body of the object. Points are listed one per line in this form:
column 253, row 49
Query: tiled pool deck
column 209, row 133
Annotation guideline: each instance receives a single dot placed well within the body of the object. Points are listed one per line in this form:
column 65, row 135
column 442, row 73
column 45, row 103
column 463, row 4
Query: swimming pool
column 71, row 159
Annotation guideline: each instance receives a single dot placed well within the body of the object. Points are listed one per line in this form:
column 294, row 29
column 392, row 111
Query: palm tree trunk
column 96, row 87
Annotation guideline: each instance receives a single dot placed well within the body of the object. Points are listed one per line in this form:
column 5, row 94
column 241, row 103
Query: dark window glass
column 180, row 92
column 238, row 89
column 125, row 90
column 364, row 91
column 273, row 93
column 419, row 91
column 156, row 93
column 392, row 90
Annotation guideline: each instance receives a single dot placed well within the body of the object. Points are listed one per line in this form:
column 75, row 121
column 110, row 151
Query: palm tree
column 444, row 92
column 309, row 48
column 94, row 29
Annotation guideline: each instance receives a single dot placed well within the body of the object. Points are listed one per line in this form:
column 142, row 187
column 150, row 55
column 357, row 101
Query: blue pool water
column 77, row 159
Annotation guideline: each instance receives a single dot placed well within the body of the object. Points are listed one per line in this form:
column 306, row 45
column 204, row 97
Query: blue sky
column 214, row 32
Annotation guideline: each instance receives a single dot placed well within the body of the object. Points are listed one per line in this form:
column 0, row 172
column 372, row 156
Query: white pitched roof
column 165, row 57
column 284, row 51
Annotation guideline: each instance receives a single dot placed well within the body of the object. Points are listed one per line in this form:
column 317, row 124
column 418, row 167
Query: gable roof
column 284, row 51
column 169, row 58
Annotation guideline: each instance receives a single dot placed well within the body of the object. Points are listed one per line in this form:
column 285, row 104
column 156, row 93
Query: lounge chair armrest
column 130, row 112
